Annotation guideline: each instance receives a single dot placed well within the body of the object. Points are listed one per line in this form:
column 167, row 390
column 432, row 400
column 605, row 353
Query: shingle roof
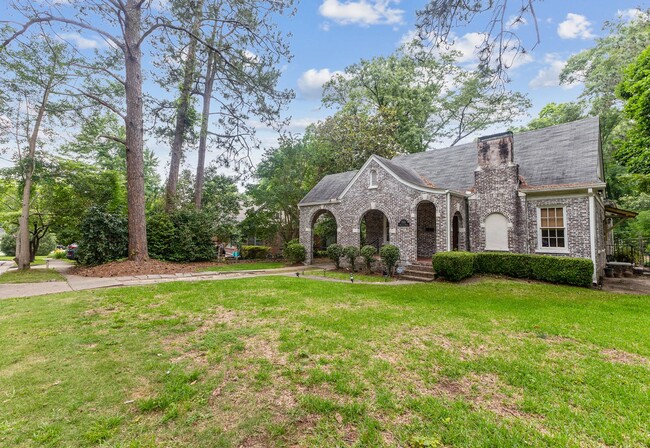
column 558, row 155
column 330, row 187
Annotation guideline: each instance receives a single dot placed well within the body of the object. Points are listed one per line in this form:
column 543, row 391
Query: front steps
column 419, row 272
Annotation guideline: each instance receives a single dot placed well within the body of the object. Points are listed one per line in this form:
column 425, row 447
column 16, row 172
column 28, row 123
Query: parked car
column 72, row 251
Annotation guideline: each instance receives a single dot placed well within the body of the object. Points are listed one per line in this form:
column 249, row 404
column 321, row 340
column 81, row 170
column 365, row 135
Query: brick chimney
column 495, row 151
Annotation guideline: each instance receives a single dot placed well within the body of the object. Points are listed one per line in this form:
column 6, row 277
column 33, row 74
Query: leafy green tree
column 284, row 177
column 555, row 113
column 32, row 74
column 425, row 97
column 634, row 89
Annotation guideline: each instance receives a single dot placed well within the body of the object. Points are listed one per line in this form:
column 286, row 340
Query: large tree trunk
column 135, row 134
column 23, row 253
column 182, row 111
column 203, row 137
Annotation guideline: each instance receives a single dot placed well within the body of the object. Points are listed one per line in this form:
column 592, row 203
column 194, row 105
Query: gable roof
column 564, row 154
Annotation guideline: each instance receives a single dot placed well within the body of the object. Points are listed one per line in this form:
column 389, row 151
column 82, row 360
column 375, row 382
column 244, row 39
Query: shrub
column 553, row 269
column 295, row 253
column 8, row 245
column 46, row 245
column 570, row 271
column 334, row 253
column 454, row 266
column 390, row 256
column 104, row 237
column 58, row 254
column 185, row 235
column 503, row 263
column 255, row 252
column 368, row 253
column 351, row 253
column 320, row 254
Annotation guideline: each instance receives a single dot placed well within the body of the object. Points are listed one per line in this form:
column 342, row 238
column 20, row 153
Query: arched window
column 496, row 232
column 372, row 182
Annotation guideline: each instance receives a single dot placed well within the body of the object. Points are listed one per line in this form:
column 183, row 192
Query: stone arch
column 374, row 228
column 426, row 228
column 324, row 230
column 496, row 232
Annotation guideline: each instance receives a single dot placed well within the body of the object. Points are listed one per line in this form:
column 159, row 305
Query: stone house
column 537, row 192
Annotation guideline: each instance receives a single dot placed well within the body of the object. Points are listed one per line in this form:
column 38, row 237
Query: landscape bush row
column 456, row 266
column 388, row 253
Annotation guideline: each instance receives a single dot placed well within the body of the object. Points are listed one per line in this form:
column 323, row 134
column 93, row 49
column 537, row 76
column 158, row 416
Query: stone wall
column 393, row 198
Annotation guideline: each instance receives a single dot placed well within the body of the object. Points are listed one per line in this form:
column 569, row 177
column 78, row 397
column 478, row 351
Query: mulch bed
column 129, row 268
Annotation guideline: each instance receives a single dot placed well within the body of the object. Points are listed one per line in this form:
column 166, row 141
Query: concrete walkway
column 80, row 283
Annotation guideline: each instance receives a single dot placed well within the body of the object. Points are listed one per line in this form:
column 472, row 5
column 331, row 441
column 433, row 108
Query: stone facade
column 422, row 220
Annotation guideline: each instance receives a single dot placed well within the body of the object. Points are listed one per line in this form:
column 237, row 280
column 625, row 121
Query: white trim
column 551, row 250
column 558, row 197
column 448, row 221
column 592, row 233
column 399, row 179
column 584, row 187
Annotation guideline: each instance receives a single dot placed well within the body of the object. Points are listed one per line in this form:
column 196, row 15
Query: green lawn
column 346, row 276
column 38, row 260
column 245, row 266
column 285, row 361
column 31, row 276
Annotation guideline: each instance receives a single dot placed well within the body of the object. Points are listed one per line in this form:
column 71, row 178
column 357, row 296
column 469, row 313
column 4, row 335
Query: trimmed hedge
column 334, row 253
column 255, row 252
column 454, row 266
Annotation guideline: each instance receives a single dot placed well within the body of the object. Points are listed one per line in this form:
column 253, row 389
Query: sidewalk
column 80, row 283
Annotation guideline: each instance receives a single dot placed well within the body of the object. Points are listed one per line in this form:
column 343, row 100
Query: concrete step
column 419, row 268
column 416, row 278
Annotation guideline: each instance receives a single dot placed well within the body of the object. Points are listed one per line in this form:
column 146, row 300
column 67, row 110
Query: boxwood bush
column 454, row 266
column 255, row 252
column 295, row 253
column 334, row 253
column 390, row 256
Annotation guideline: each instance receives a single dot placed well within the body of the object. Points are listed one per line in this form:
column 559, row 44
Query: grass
column 285, row 361
column 31, row 276
column 346, row 276
column 245, row 266
column 38, row 260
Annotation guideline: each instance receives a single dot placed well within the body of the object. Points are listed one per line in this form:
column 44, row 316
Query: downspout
column 448, row 221
column 527, row 241
column 592, row 232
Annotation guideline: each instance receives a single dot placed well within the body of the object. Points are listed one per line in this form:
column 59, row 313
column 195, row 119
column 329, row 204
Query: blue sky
column 329, row 35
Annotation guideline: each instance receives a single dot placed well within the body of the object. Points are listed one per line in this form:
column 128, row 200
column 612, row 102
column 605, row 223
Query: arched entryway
column 426, row 230
column 374, row 229
column 323, row 230
column 456, row 226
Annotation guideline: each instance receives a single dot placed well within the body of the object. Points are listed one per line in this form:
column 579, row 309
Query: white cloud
column 81, row 42
column 325, row 26
column 575, row 26
column 362, row 12
column 311, row 82
column 515, row 21
column 550, row 75
column 631, row 14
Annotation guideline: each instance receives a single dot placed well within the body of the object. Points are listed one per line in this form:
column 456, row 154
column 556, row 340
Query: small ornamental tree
column 368, row 253
column 390, row 256
column 334, row 253
column 351, row 253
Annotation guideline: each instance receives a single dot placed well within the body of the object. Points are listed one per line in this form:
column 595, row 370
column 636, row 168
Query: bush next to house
column 368, row 253
column 351, row 253
column 454, row 266
column 104, row 237
column 295, row 253
column 255, row 252
column 8, row 245
column 334, row 253
column 390, row 256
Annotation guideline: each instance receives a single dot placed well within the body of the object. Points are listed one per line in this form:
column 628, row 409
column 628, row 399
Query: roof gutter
column 560, row 188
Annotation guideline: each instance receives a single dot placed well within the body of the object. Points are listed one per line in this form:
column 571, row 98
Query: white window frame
column 552, row 250
column 372, row 172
